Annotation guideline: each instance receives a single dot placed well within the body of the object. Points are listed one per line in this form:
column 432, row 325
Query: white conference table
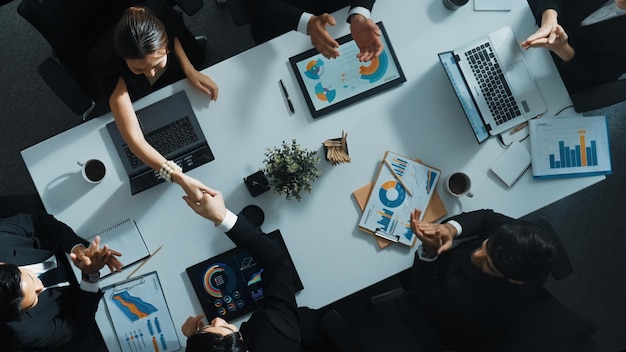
column 421, row 118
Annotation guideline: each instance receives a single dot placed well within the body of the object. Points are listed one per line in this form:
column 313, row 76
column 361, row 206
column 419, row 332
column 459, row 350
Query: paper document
column 139, row 315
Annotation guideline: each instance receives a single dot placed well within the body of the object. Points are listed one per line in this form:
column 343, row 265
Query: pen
column 519, row 128
column 282, row 86
column 144, row 262
column 397, row 177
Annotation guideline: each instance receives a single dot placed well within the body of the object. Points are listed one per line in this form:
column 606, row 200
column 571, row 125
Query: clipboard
column 434, row 210
column 139, row 315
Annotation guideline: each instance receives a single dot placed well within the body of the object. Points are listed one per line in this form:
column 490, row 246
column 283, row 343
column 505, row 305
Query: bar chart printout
column 570, row 146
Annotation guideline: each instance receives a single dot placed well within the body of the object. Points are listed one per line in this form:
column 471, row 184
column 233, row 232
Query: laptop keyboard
column 492, row 83
column 166, row 139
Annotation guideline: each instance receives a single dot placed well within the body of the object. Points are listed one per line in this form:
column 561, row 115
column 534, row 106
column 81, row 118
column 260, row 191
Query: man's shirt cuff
column 304, row 22
column 457, row 226
column 89, row 286
column 229, row 221
column 359, row 10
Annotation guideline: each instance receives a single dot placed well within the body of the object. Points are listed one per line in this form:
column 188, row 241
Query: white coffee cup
column 93, row 170
column 458, row 184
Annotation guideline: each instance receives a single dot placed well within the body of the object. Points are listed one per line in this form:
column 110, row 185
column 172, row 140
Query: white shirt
column 304, row 19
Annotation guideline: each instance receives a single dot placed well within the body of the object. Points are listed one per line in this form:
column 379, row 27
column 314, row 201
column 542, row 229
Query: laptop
column 171, row 127
column 491, row 79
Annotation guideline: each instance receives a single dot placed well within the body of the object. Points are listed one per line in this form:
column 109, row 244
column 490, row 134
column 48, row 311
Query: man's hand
column 211, row 206
column 92, row 259
column 320, row 38
column 436, row 238
column 192, row 324
column 367, row 36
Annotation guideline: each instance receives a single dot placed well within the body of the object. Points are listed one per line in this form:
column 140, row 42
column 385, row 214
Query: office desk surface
column 421, row 118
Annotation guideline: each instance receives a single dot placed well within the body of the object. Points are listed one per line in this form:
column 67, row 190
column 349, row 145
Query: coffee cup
column 458, row 184
column 93, row 170
column 454, row 4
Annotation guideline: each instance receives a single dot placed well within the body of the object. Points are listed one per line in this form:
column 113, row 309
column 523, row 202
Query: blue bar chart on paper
column 570, row 146
column 580, row 155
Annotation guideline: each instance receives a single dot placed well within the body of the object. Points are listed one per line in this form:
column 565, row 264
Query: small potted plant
column 291, row 169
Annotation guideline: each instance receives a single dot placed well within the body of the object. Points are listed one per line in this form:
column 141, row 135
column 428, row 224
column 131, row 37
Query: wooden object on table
column 337, row 149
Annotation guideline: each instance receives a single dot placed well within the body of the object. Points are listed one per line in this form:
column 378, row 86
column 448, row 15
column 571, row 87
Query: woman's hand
column 204, row 83
column 192, row 187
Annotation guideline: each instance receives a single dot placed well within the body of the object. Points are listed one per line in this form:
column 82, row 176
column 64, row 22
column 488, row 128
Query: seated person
column 586, row 40
column 145, row 52
column 274, row 17
column 276, row 325
column 38, row 315
column 470, row 293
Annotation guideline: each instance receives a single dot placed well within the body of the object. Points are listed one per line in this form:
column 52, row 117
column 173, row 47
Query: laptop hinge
column 457, row 58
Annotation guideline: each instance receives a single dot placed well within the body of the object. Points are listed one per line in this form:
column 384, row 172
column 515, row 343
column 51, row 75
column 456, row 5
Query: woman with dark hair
column 148, row 49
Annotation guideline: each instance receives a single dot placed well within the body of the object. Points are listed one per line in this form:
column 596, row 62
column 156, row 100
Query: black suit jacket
column 465, row 305
column 600, row 51
column 61, row 314
column 274, row 17
column 275, row 325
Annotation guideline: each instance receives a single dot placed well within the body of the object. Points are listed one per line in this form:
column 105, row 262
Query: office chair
column 600, row 96
column 190, row 7
column 71, row 27
column 239, row 10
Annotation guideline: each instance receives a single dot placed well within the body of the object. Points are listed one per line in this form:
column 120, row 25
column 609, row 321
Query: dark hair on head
column 11, row 295
column 522, row 250
column 210, row 342
column 139, row 33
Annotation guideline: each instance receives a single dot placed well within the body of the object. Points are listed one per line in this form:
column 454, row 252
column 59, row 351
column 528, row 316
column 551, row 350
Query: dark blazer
column 464, row 304
column 600, row 51
column 274, row 17
column 62, row 314
column 275, row 325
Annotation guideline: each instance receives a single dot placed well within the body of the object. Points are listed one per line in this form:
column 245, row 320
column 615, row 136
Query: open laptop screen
column 465, row 96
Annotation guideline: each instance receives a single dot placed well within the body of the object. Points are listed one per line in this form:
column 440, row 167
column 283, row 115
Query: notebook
column 230, row 284
column 491, row 80
column 125, row 238
column 171, row 127
column 511, row 165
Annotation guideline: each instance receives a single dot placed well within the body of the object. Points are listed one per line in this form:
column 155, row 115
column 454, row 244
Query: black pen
column 287, row 96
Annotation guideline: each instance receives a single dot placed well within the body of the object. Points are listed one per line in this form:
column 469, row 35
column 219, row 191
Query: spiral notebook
column 125, row 238
column 511, row 165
